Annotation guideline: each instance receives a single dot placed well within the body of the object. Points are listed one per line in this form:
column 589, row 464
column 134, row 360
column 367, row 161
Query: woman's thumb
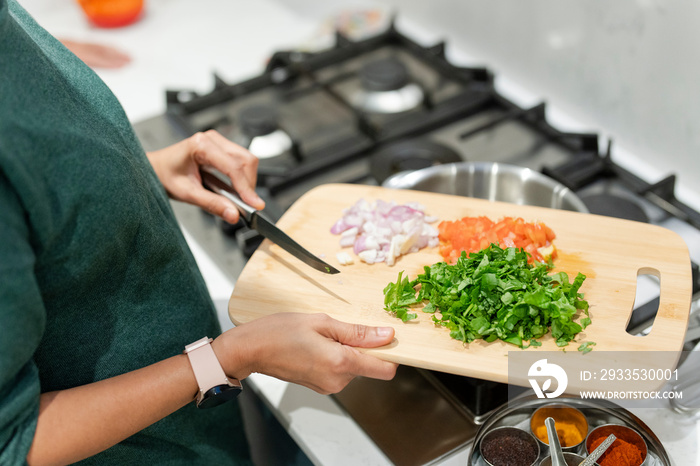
column 364, row 336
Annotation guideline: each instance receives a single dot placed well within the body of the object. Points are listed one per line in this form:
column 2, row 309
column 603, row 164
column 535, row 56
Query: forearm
column 308, row 349
column 80, row 422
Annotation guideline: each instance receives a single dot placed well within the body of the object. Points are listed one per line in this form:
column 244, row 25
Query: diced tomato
column 472, row 234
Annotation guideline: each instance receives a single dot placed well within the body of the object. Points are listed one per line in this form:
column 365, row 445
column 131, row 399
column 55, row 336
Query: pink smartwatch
column 215, row 387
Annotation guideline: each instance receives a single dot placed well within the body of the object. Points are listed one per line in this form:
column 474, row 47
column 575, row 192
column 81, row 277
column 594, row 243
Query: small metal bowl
column 561, row 414
column 509, row 440
column 625, row 433
column 572, row 459
column 492, row 181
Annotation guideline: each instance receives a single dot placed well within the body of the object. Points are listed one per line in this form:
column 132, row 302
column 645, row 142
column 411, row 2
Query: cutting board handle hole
column 646, row 301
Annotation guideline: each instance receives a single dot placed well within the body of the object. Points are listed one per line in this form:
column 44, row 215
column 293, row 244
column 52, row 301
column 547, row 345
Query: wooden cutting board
column 610, row 252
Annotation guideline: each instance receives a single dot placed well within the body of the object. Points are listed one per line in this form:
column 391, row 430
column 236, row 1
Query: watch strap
column 206, row 367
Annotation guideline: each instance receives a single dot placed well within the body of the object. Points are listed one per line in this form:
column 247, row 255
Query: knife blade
column 256, row 220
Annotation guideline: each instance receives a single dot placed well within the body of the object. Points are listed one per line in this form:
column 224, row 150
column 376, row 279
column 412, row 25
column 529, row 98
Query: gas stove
column 364, row 110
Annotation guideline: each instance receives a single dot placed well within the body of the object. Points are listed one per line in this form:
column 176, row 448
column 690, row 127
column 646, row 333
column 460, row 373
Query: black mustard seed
column 508, row 449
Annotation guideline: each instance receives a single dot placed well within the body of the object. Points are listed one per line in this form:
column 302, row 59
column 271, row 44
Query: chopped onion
column 383, row 231
column 344, row 258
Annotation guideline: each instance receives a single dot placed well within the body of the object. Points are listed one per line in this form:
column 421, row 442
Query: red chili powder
column 620, row 453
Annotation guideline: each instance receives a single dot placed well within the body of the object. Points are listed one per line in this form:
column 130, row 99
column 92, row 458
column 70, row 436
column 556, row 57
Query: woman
column 99, row 294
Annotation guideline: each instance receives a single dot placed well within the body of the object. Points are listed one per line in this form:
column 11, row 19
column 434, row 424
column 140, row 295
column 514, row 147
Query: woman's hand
column 313, row 350
column 177, row 166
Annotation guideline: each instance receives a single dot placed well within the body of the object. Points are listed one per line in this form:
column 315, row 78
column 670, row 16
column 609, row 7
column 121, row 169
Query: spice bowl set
column 516, row 434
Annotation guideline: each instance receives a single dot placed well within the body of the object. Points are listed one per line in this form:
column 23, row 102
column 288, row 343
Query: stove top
column 362, row 111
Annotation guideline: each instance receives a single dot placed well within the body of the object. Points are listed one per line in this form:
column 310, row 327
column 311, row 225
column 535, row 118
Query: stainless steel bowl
column 571, row 459
column 492, row 181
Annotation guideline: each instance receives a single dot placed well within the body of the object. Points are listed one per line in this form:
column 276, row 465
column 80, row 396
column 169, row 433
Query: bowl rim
column 401, row 179
column 555, row 405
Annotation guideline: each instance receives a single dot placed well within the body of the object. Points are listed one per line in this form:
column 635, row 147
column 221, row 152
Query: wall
column 629, row 70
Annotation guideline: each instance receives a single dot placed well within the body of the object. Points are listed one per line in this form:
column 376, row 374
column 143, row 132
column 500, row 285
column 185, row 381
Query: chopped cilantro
column 586, row 347
column 398, row 296
column 494, row 294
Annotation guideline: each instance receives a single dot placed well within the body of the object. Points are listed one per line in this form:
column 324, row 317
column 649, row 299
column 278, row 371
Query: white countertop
column 179, row 44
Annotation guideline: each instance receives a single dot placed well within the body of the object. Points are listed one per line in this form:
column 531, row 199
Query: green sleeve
column 22, row 320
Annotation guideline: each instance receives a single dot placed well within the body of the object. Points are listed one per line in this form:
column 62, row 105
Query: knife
column 259, row 222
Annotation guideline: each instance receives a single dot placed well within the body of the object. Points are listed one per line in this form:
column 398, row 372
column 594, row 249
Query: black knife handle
column 219, row 186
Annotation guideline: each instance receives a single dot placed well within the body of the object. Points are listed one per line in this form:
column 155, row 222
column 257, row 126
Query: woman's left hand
column 177, row 166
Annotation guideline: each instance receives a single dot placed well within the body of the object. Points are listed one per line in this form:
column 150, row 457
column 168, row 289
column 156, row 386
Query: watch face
column 219, row 395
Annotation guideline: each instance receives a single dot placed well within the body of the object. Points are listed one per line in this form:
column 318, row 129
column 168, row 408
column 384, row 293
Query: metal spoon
column 598, row 452
column 554, row 446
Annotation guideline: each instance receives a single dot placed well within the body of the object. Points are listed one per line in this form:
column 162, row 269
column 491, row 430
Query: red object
column 472, row 234
column 112, row 13
column 620, row 453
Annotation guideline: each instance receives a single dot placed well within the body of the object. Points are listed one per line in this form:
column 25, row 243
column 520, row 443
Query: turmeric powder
column 570, row 423
column 568, row 433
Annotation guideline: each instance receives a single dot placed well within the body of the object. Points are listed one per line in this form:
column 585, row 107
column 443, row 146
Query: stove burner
column 258, row 120
column 267, row 140
column 384, row 75
column 386, row 88
column 615, row 206
column 408, row 156
column 275, row 144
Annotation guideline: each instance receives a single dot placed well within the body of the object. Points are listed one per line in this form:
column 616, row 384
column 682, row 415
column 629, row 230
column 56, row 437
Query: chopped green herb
column 398, row 296
column 494, row 294
column 586, row 347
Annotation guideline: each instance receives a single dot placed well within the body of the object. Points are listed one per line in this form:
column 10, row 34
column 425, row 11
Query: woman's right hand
column 313, row 350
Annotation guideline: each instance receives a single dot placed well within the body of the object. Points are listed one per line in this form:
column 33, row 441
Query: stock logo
column 541, row 369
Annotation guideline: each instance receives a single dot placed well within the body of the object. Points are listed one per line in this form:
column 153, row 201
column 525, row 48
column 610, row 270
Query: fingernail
column 384, row 331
